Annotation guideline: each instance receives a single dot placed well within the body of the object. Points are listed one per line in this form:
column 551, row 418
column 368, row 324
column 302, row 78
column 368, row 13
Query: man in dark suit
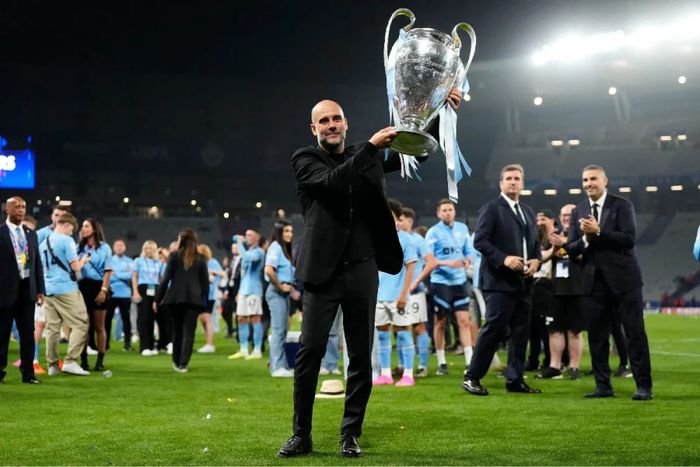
column 21, row 286
column 602, row 232
column 506, row 236
column 350, row 234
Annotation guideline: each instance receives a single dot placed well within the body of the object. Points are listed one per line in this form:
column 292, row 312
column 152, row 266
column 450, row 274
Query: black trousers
column 184, row 318
column 21, row 311
column 165, row 326
column 504, row 311
column 145, row 320
column 618, row 335
column 601, row 304
column 354, row 287
column 539, row 337
column 227, row 310
column 124, row 305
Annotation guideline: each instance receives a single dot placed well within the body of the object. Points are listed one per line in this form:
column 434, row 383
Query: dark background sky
column 141, row 90
column 298, row 40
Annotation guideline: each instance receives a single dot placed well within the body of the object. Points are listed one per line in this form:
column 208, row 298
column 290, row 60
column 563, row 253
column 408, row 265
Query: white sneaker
column 91, row 351
column 323, row 371
column 282, row 373
column 149, row 353
column 53, row 370
column 74, row 369
column 256, row 355
column 169, row 348
column 206, row 349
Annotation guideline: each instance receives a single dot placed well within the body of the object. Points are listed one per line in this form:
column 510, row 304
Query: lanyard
column 15, row 244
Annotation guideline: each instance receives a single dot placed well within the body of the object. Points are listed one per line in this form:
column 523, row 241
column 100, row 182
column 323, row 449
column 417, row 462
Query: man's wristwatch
column 104, row 289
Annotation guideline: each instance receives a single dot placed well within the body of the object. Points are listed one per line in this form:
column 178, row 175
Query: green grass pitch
column 232, row 413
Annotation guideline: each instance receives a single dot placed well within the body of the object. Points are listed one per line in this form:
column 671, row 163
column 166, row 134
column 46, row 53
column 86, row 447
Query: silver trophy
column 421, row 69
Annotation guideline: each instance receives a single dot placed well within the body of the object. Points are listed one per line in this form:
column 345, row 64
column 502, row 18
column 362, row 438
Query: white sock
column 468, row 352
column 407, row 372
column 441, row 357
column 386, row 372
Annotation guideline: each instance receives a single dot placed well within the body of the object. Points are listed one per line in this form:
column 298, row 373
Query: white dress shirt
column 512, row 204
column 600, row 203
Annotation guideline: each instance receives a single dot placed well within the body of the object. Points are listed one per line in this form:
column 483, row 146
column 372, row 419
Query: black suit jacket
column 9, row 274
column 178, row 286
column 499, row 233
column 612, row 253
column 324, row 189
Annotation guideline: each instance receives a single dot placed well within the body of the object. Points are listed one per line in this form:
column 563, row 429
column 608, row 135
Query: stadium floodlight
column 612, row 90
column 550, row 192
column 625, row 189
column 676, row 187
column 682, row 79
column 193, row 202
column 57, row 198
column 652, row 189
column 574, row 191
column 126, row 200
column 529, row 192
column 645, row 37
column 686, row 28
column 258, row 204
column 682, row 137
column 574, row 48
column 574, row 142
column 467, row 97
column 226, row 215
column 38, row 202
column 665, row 138
column 557, row 143
column 537, row 101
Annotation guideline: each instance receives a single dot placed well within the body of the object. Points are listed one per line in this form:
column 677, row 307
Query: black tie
column 520, row 213
column 595, row 211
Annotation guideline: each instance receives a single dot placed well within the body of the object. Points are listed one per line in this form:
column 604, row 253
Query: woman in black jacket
column 184, row 288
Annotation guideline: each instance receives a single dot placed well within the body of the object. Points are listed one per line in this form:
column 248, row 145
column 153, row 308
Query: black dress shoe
column 296, row 446
column 473, row 386
column 642, row 394
column 599, row 393
column 521, row 387
column 349, row 447
column 30, row 380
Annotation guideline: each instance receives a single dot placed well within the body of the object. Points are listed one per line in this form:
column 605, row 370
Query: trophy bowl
column 422, row 67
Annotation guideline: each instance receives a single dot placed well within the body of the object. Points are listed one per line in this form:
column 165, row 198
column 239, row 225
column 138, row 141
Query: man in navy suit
column 21, row 286
column 602, row 233
column 506, row 236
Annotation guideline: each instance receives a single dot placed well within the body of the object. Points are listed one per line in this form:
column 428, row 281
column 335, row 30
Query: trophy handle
column 399, row 12
column 458, row 44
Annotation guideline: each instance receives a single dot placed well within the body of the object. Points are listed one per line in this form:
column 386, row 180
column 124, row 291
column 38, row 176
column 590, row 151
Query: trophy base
column 414, row 142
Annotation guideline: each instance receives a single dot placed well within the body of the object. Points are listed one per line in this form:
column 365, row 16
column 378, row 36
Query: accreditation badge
column 23, row 259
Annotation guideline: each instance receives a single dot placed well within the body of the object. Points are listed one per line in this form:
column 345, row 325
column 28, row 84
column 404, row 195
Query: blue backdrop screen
column 17, row 169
